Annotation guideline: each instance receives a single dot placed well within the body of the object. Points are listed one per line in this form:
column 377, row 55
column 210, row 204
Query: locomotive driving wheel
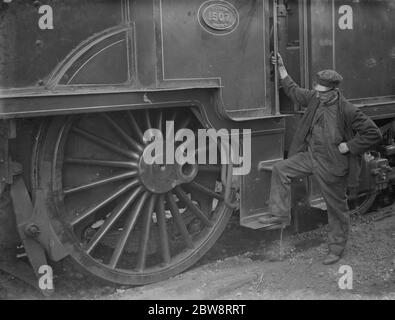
column 121, row 219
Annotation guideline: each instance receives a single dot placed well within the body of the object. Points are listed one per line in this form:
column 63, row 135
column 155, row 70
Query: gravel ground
column 248, row 264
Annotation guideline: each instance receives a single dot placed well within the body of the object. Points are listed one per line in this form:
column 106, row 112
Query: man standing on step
column 330, row 136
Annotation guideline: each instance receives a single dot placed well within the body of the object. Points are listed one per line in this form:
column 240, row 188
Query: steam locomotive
column 81, row 81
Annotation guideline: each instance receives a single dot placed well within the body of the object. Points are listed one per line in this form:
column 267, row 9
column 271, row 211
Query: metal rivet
column 32, row 230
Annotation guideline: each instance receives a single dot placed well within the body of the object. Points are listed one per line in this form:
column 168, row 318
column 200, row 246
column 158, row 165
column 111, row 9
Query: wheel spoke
column 160, row 120
column 184, row 123
column 114, row 216
column 102, row 163
column 129, row 225
column 104, row 202
column 163, row 236
column 191, row 206
column 135, row 126
column 197, row 186
column 104, row 143
column 101, row 182
column 128, row 139
column 179, row 221
column 147, row 120
column 145, row 234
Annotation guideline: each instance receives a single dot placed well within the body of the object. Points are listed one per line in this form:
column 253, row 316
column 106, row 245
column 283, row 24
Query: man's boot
column 331, row 258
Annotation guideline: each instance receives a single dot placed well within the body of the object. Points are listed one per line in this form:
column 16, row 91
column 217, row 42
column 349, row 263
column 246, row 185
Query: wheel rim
column 107, row 212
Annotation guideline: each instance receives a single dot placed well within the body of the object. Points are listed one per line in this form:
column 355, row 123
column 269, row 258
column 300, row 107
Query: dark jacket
column 357, row 129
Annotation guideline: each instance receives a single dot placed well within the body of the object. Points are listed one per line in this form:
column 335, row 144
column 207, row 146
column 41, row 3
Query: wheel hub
column 161, row 178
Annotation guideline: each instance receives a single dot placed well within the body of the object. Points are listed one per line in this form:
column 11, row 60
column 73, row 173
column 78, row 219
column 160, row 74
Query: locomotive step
column 254, row 221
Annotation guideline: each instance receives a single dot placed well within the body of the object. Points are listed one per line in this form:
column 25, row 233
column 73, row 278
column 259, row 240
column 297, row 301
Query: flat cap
column 329, row 78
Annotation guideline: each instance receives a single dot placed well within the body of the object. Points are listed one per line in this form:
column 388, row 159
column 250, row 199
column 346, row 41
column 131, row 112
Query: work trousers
column 333, row 190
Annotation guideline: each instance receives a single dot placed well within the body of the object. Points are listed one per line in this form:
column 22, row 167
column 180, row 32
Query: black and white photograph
column 197, row 155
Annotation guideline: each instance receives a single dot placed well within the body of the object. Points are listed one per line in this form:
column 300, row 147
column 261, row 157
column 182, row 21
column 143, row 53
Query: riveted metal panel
column 357, row 38
column 28, row 53
column 235, row 59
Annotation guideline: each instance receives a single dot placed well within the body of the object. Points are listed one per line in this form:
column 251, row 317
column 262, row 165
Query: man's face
column 320, row 88
column 322, row 91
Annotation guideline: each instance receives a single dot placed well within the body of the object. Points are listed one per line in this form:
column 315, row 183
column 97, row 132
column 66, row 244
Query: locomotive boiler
column 83, row 80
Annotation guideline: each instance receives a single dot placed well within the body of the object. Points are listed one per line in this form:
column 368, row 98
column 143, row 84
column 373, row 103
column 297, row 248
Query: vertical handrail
column 275, row 44
column 305, row 53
